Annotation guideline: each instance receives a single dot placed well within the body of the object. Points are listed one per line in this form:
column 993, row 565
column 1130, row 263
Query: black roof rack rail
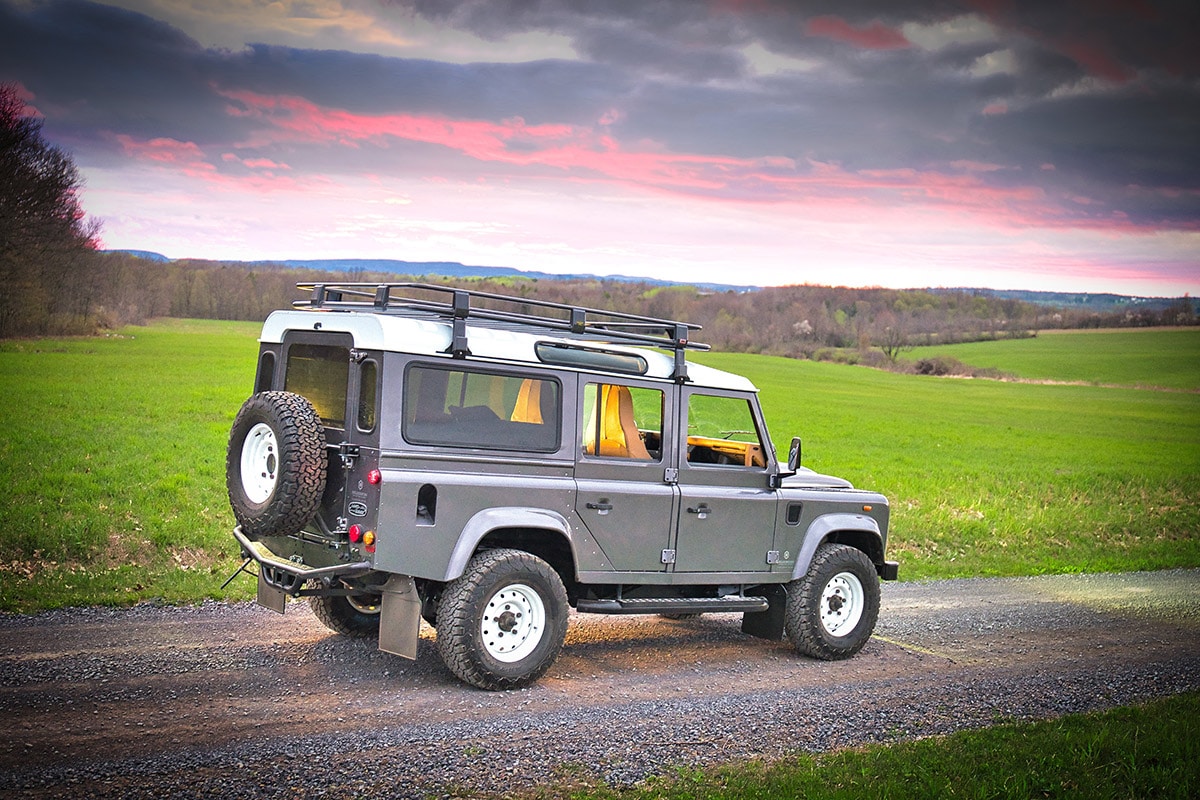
column 460, row 305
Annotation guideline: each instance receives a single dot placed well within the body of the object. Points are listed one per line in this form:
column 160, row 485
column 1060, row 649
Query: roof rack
column 460, row 305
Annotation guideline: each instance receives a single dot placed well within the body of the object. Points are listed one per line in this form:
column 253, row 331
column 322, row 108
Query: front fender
column 490, row 519
column 826, row 525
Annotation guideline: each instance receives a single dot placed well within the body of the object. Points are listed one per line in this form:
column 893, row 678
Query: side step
column 674, row 605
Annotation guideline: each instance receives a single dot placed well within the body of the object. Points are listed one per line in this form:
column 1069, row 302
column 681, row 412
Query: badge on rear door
column 357, row 509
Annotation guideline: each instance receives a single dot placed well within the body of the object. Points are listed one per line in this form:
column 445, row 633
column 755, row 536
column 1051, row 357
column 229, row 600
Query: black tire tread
column 302, row 464
column 339, row 616
column 457, row 626
column 803, row 602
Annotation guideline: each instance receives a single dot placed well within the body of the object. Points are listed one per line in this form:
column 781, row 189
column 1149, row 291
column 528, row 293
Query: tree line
column 796, row 321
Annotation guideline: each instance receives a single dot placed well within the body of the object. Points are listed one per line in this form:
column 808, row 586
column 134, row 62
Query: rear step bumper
column 673, row 605
column 288, row 576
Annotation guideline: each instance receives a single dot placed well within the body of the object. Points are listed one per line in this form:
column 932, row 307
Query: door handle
column 600, row 506
column 701, row 509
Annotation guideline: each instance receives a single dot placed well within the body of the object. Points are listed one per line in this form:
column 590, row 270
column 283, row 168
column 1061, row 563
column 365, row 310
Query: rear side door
column 622, row 494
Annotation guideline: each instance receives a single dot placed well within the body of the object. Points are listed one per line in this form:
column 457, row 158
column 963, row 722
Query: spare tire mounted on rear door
column 275, row 464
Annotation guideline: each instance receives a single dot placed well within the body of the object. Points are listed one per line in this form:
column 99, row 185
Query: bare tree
column 47, row 245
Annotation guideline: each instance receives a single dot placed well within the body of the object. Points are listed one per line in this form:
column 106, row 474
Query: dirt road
column 235, row 701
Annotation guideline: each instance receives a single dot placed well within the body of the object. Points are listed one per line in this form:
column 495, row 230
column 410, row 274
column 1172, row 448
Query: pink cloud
column 188, row 159
column 875, row 36
column 186, row 156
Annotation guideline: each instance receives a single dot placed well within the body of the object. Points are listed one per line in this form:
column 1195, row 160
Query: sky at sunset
column 1011, row 144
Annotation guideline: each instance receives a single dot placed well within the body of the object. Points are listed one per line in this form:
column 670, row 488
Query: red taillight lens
column 374, row 477
column 355, row 533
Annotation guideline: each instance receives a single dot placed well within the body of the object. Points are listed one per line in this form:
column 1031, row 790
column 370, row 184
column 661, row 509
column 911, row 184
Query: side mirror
column 793, row 463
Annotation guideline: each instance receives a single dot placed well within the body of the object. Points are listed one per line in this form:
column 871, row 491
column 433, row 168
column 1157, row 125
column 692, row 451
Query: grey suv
column 487, row 462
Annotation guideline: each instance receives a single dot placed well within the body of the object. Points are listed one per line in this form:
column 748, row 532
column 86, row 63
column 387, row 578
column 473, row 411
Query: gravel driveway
column 234, row 701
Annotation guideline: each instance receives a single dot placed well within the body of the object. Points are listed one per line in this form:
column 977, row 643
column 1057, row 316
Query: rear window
column 466, row 408
column 319, row 372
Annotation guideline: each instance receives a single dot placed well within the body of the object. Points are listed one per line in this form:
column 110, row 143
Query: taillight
column 369, row 541
column 374, row 477
column 355, row 533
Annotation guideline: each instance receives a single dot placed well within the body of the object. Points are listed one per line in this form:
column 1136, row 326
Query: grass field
column 114, row 466
column 1150, row 751
column 114, row 463
column 1167, row 358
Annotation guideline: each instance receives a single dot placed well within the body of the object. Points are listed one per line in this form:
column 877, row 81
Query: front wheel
column 832, row 610
column 502, row 623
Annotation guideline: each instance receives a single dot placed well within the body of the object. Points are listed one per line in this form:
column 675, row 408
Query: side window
column 367, row 403
column 721, row 431
column 622, row 421
column 464, row 408
column 319, row 372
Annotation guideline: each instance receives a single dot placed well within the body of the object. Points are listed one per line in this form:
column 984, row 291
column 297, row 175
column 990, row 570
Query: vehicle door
column 342, row 384
column 621, row 472
column 727, row 510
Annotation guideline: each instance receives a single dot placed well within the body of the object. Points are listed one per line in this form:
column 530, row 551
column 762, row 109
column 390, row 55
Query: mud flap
column 400, row 621
column 767, row 624
column 269, row 596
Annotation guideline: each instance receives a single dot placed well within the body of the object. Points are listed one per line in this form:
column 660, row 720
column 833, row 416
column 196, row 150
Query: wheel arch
column 856, row 530
column 537, row 531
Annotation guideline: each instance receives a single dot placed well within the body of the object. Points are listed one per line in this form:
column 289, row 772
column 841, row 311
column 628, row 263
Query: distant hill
column 1100, row 303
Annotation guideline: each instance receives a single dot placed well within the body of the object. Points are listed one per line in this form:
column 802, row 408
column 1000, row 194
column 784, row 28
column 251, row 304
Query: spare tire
column 275, row 464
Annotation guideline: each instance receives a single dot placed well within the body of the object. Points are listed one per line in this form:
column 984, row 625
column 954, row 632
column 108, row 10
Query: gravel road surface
column 235, row 701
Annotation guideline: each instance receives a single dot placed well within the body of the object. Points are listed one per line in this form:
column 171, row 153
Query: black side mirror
column 793, row 463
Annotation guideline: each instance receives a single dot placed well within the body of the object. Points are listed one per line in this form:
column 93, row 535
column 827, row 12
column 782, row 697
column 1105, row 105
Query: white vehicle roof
column 408, row 334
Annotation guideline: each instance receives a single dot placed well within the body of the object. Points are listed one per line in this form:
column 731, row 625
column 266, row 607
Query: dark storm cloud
column 1098, row 101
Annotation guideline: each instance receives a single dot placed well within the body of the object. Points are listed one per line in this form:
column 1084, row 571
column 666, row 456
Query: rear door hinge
column 668, row 556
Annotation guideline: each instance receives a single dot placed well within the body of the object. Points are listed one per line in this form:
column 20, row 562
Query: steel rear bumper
column 289, row 576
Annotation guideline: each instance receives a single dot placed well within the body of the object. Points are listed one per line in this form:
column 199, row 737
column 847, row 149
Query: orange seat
column 618, row 435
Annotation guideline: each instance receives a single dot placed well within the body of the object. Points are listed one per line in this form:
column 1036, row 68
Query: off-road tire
column 832, row 610
column 357, row 617
column 502, row 593
column 275, row 464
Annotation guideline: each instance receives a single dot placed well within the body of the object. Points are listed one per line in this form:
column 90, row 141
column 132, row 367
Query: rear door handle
column 701, row 509
column 600, row 506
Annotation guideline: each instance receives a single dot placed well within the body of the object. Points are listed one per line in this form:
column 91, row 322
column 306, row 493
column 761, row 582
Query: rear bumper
column 289, row 576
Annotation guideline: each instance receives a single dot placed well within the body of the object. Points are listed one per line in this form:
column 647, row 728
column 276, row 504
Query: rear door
column 622, row 493
column 343, row 385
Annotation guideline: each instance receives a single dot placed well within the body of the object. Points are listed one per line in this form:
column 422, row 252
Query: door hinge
column 671, row 476
column 668, row 556
column 772, row 556
column 348, row 453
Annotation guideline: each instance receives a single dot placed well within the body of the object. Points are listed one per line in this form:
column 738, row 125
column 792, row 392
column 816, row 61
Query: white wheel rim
column 260, row 463
column 842, row 604
column 514, row 620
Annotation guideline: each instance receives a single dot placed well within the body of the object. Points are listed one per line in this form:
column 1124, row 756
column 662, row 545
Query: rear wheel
column 502, row 623
column 356, row 616
column 832, row 610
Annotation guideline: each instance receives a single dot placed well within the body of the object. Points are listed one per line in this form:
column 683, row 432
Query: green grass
column 991, row 478
column 1150, row 751
column 1167, row 358
column 113, row 463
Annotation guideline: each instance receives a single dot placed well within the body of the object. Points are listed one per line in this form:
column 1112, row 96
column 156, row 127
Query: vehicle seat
column 619, row 435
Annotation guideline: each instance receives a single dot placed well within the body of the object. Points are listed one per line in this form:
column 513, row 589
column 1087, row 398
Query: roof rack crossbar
column 463, row 304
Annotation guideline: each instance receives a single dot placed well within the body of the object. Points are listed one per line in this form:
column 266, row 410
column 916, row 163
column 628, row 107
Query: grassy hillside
column 1168, row 358
column 114, row 463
